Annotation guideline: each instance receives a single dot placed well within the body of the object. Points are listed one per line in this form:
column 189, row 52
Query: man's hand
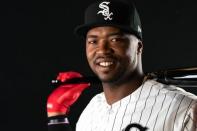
column 60, row 100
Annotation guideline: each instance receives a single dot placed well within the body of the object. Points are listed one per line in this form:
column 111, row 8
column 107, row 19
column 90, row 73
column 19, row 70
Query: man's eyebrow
column 91, row 36
column 119, row 33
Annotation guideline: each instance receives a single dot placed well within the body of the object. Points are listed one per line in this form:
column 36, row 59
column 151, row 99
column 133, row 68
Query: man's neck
column 115, row 92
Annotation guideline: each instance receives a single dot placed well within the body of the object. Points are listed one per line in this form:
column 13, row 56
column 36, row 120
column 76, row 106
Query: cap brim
column 82, row 30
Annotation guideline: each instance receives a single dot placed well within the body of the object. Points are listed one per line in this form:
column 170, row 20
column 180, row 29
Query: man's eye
column 116, row 40
column 92, row 42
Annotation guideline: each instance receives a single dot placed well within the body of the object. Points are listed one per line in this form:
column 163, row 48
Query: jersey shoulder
column 174, row 91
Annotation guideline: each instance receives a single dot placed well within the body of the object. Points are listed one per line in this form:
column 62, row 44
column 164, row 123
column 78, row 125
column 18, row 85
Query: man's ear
column 140, row 47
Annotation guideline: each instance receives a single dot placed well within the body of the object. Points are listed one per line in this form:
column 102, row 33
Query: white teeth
column 105, row 64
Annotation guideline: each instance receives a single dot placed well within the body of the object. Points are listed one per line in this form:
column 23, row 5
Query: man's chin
column 107, row 76
column 107, row 79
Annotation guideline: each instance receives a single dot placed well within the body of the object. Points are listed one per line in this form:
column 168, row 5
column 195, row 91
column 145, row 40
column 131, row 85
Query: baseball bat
column 182, row 77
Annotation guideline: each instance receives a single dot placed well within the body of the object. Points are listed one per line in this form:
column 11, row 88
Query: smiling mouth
column 105, row 64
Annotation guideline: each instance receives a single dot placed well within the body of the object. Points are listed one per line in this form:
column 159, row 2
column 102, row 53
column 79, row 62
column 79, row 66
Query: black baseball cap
column 116, row 13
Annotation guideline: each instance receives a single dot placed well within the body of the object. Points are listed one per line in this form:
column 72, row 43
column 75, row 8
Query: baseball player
column 129, row 101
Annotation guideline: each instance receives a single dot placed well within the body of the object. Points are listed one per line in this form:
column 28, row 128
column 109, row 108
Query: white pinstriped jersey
column 153, row 105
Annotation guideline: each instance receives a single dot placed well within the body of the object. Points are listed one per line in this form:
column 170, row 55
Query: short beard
column 122, row 76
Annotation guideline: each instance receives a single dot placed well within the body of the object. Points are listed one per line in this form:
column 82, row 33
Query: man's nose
column 104, row 47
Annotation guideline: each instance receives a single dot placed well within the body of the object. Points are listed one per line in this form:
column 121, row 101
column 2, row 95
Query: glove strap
column 61, row 119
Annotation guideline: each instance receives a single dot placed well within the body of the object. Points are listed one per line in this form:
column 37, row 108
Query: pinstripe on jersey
column 153, row 105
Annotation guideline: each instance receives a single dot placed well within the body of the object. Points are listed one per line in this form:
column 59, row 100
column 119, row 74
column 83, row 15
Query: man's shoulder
column 174, row 96
column 172, row 90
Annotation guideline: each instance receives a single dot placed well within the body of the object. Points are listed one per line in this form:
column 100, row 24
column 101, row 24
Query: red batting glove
column 65, row 95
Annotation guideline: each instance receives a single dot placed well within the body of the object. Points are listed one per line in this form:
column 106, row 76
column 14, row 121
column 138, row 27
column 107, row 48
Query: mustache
column 99, row 58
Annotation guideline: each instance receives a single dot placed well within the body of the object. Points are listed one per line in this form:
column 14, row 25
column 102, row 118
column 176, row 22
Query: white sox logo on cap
column 105, row 10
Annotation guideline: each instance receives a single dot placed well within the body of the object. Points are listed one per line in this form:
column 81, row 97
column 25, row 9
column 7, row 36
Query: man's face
column 111, row 54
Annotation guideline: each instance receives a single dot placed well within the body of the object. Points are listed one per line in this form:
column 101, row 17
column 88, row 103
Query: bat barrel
column 182, row 77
